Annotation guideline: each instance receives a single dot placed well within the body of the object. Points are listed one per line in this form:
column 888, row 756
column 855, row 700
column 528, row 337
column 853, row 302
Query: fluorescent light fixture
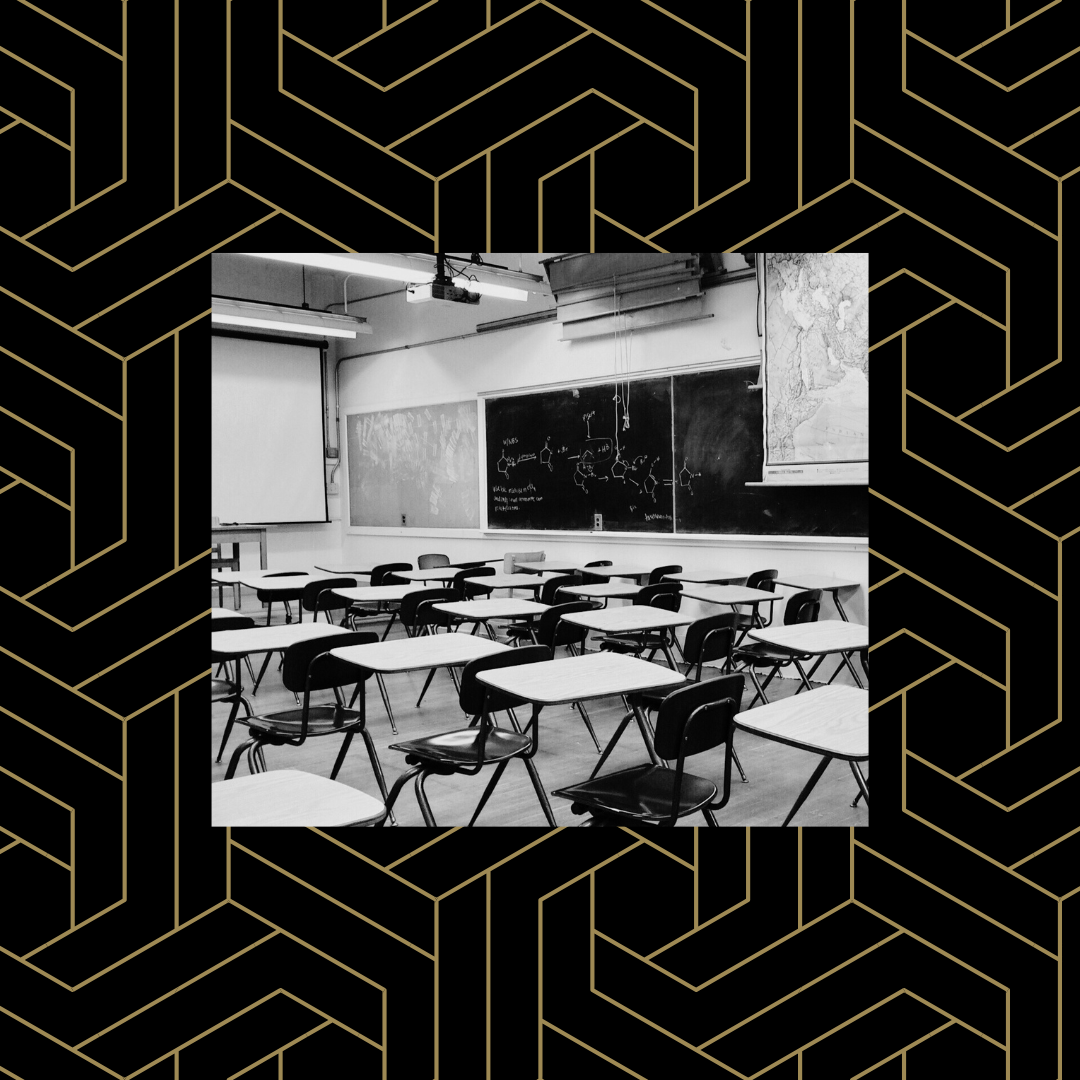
column 396, row 268
column 293, row 320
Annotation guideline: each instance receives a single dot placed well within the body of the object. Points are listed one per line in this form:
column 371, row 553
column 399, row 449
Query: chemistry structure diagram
column 599, row 459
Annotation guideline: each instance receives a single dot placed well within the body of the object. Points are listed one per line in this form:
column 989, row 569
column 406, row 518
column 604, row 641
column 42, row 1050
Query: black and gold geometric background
column 139, row 137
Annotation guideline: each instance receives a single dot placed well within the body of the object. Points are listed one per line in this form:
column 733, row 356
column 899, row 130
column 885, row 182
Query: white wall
column 531, row 356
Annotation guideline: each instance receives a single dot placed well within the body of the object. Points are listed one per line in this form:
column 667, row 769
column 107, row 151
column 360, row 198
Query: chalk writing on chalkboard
column 559, row 458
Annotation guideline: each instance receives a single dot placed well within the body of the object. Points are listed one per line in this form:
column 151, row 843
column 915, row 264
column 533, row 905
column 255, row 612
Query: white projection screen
column 266, row 432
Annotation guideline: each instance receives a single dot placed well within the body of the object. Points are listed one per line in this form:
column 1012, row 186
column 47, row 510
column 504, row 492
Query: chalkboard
column 556, row 459
column 415, row 467
column 719, row 447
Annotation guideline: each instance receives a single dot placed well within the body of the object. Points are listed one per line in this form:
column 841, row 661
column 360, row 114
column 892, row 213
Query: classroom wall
column 467, row 365
column 533, row 356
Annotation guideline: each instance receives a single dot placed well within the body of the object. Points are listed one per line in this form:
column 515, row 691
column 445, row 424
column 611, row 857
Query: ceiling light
column 279, row 317
column 391, row 266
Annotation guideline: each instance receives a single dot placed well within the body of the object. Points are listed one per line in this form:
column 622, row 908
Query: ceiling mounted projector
column 440, row 290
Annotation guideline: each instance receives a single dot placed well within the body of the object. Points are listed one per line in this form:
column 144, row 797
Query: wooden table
column 604, row 592
column 714, row 577
column 381, row 595
column 825, row 582
column 578, row 678
column 241, row 534
column 832, row 721
column 268, row 639
column 416, row 654
column 554, row 566
column 480, row 611
column 636, row 572
column 511, row 581
column 291, row 797
column 631, row 619
column 433, row 573
column 817, row 639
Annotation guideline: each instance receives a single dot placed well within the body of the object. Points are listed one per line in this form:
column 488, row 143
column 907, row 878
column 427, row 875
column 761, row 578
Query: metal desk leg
column 822, row 765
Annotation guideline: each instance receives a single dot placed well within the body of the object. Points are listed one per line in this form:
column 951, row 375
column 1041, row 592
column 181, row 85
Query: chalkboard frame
column 347, row 466
column 690, row 537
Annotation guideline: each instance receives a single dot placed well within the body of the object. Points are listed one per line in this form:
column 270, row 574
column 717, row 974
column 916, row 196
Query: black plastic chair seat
column 650, row 700
column 322, row 720
column 644, row 792
column 220, row 690
column 463, row 746
column 761, row 654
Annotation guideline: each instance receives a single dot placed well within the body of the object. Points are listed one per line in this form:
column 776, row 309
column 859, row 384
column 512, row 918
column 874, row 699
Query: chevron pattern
column 140, row 138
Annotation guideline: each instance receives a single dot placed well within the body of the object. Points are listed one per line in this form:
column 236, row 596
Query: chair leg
column 541, row 794
column 427, row 683
column 496, row 776
column 376, row 767
column 757, row 686
column 738, row 765
column 262, row 672
column 588, row 723
column 822, row 766
column 611, row 745
column 863, row 783
column 386, row 701
column 422, row 799
column 230, row 772
column 341, row 754
column 393, row 616
column 232, row 717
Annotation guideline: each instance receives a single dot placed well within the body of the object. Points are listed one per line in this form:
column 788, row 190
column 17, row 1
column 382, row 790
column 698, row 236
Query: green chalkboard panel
column 555, row 459
column 415, row 467
column 718, row 448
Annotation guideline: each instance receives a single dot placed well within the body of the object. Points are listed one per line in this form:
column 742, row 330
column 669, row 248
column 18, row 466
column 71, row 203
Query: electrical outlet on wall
column 402, row 519
column 331, row 489
column 598, row 521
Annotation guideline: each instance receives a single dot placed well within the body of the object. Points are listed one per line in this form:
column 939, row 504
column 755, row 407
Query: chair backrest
column 471, row 695
column 232, row 622
column 426, row 562
column 803, row 607
column 662, row 594
column 594, row 579
column 466, row 590
column 694, row 719
column 553, row 584
column 658, row 574
column 552, row 633
column 763, row 579
column 710, row 638
column 318, row 595
column 302, row 673
column 407, row 613
column 379, row 572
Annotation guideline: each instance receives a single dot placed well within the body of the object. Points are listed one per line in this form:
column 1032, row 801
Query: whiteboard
column 418, row 463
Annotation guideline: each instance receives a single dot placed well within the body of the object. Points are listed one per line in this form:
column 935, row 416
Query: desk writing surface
column 432, row 573
column 288, row 797
column 629, row 618
column 378, row 592
column 511, row 581
column 825, row 582
column 270, row 638
column 574, row 678
column 611, row 590
column 729, row 594
column 623, row 570
column 553, row 565
column 347, row 569
column 815, row 638
column 716, row 577
column 827, row 719
column 412, row 654
column 480, row 610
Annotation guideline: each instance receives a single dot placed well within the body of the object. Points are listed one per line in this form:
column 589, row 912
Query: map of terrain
column 817, row 391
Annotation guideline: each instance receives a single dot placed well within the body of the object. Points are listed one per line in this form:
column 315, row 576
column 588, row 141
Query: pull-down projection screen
column 266, row 432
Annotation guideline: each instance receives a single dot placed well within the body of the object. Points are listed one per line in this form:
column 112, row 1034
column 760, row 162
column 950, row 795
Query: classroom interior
column 650, row 322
